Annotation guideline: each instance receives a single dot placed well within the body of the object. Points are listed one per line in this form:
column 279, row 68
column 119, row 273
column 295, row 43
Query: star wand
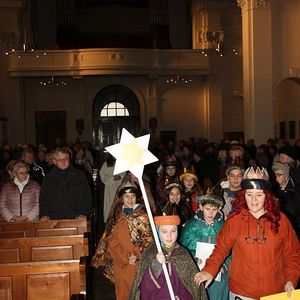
column 132, row 155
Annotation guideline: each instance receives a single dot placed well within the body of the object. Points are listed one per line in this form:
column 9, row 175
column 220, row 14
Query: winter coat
column 14, row 203
column 289, row 200
column 65, row 194
column 257, row 269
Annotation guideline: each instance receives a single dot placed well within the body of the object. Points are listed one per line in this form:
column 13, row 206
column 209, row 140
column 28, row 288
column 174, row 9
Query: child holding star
column 150, row 282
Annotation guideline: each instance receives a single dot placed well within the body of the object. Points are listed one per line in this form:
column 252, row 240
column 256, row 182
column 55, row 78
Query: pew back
column 40, row 280
column 40, row 229
column 32, row 249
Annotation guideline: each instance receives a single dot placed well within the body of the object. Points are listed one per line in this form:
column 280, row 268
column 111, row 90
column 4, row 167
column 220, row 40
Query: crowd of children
column 227, row 237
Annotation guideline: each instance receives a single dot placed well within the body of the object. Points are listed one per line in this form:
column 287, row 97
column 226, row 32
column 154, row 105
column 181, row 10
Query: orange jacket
column 257, row 269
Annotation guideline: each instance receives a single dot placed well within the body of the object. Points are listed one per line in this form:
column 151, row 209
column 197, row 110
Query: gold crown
column 190, row 173
column 257, row 173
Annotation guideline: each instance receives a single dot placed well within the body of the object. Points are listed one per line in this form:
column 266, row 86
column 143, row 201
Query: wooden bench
column 42, row 243
column 51, row 280
column 33, row 249
column 43, row 228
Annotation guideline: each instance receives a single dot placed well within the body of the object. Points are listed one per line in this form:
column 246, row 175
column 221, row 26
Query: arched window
column 114, row 109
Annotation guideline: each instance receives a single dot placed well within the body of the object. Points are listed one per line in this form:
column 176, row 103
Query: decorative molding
column 150, row 62
column 116, row 56
column 294, row 72
column 246, row 5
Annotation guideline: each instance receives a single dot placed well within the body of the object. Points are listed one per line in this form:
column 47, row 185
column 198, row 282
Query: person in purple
column 150, row 282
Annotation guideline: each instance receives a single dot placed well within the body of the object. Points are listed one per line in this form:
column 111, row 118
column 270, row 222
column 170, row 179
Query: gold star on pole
column 131, row 153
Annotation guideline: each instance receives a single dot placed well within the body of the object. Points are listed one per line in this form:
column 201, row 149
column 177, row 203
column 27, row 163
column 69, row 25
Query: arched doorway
column 115, row 107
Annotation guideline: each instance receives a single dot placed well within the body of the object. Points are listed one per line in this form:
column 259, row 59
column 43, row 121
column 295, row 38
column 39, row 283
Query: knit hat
column 167, row 220
column 289, row 151
column 284, row 168
column 129, row 187
column 256, row 179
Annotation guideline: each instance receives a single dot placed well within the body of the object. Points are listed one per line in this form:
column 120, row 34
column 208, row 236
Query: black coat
column 65, row 194
column 289, row 200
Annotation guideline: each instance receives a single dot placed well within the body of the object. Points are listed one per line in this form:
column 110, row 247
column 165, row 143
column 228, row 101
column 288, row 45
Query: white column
column 257, row 69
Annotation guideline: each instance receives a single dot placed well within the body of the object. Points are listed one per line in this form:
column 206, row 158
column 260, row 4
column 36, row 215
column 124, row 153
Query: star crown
column 257, row 173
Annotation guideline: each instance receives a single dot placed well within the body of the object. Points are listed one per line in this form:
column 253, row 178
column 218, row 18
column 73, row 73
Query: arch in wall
column 286, row 104
column 115, row 107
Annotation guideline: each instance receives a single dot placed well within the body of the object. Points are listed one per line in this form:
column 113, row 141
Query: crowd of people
column 239, row 202
column 35, row 189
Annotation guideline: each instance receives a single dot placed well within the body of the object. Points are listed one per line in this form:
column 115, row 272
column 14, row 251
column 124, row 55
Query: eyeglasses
column 258, row 239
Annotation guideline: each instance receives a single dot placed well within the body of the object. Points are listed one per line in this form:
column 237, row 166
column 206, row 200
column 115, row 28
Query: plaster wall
column 182, row 109
column 285, row 42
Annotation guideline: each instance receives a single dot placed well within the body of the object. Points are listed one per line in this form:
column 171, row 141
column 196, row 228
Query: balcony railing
column 84, row 62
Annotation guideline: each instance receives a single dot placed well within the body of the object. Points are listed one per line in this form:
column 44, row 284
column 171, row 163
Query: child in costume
column 150, row 282
column 126, row 234
column 191, row 192
column 168, row 174
column 204, row 228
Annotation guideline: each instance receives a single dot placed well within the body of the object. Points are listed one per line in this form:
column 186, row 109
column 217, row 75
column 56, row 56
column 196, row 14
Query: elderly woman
column 265, row 248
column 19, row 198
column 289, row 198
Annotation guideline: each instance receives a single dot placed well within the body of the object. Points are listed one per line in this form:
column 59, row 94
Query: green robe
column 197, row 230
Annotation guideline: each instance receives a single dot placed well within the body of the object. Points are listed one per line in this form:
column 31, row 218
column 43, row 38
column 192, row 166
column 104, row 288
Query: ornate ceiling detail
column 253, row 4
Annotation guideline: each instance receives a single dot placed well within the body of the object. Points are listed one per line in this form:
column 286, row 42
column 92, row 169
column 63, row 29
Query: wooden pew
column 43, row 228
column 38, row 242
column 40, row 280
column 34, row 249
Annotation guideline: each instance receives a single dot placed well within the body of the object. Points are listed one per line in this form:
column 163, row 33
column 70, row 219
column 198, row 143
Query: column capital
column 246, row 5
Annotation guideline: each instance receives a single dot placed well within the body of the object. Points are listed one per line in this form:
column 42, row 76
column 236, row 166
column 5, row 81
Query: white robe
column 111, row 186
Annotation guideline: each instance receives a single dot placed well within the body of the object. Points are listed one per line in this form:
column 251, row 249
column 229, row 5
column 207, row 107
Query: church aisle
column 103, row 288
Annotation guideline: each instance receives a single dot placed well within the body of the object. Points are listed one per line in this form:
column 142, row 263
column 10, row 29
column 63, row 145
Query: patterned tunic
column 130, row 235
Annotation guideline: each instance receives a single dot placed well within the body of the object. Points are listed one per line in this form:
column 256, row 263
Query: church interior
column 85, row 69
column 177, row 69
